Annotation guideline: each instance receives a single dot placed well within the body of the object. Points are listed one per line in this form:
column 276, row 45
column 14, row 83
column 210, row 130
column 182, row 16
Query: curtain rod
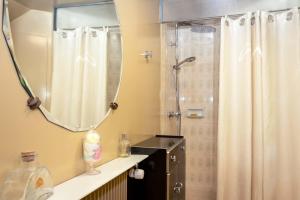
column 219, row 17
column 95, row 27
column 68, row 5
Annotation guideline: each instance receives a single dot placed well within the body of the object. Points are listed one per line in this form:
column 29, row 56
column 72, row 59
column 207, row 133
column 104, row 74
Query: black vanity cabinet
column 164, row 169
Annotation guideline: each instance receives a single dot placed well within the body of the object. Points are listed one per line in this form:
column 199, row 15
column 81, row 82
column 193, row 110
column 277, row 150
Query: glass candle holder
column 92, row 152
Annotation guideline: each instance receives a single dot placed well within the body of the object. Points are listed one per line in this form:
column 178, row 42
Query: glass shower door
column 198, row 101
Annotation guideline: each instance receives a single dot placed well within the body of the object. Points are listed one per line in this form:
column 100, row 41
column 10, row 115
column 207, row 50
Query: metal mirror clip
column 33, row 103
column 113, row 105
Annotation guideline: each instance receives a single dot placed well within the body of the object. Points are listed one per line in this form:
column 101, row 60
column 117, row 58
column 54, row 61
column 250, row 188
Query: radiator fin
column 114, row 190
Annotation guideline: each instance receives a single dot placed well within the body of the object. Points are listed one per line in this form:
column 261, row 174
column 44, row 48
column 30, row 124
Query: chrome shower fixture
column 176, row 115
column 190, row 59
column 203, row 29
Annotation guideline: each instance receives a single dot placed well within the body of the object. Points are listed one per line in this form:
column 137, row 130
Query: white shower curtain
column 259, row 107
column 94, row 92
column 78, row 93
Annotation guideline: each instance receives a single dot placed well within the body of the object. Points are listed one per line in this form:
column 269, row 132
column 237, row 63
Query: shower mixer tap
column 176, row 115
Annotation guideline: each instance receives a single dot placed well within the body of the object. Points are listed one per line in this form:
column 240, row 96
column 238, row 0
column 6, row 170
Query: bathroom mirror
column 68, row 53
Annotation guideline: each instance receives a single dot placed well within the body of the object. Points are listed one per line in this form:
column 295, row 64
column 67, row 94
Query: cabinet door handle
column 182, row 147
column 179, row 184
column 173, row 158
column 178, row 187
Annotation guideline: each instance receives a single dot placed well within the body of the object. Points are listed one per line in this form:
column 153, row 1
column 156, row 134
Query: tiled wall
column 198, row 90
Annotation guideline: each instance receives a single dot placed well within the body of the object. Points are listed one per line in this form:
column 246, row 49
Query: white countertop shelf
column 80, row 186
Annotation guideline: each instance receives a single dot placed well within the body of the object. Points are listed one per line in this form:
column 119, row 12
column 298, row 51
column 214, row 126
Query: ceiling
column 187, row 10
column 48, row 5
column 16, row 9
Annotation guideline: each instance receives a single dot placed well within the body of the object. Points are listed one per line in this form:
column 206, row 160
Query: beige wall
column 138, row 113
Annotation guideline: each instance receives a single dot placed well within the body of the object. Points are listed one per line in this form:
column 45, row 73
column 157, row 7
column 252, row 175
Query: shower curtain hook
column 252, row 20
column 226, row 21
column 64, row 34
column 289, row 16
column 270, row 18
column 242, row 22
column 105, row 28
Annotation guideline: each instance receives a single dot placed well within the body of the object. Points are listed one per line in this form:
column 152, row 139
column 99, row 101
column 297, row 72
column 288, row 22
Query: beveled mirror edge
column 22, row 80
column 28, row 90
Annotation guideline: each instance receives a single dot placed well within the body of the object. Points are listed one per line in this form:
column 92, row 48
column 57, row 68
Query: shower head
column 203, row 29
column 206, row 26
column 190, row 59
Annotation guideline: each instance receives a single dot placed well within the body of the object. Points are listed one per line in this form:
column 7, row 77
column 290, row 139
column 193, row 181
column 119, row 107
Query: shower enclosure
column 242, row 138
column 190, row 99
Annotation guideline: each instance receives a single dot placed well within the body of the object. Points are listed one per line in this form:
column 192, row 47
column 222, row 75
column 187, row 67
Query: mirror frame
column 24, row 83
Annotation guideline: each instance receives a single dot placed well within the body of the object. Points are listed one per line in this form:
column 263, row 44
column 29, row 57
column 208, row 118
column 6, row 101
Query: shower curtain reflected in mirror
column 258, row 138
column 78, row 93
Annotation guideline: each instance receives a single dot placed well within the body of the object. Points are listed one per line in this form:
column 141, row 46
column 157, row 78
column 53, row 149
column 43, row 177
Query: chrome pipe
column 178, row 118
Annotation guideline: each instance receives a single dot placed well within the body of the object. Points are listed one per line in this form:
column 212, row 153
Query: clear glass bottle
column 124, row 148
column 28, row 182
